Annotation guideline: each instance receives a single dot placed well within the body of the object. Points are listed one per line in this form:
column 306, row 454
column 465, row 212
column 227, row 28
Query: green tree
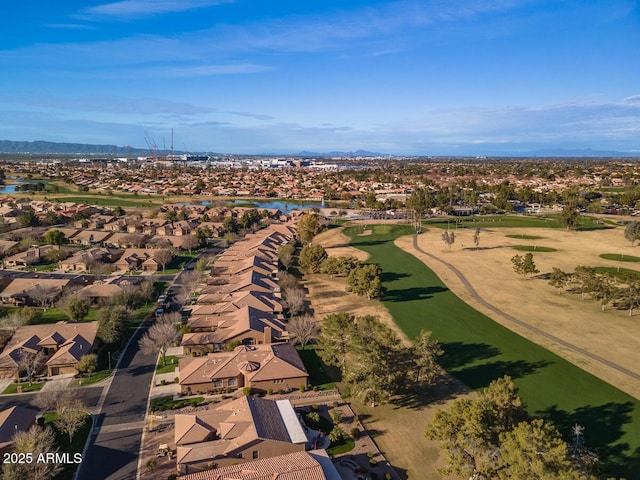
column 309, row 226
column 231, row 225
column 476, row 238
column 88, row 363
column 286, row 252
column 524, row 266
column 534, row 450
column 76, row 307
column 365, row 280
column 584, row 279
column 570, row 217
column 311, row 257
column 28, row 218
column 55, row 237
column 336, row 331
column 558, row 279
column 424, row 355
column 469, row 431
column 632, row 231
column 113, row 323
column 374, row 374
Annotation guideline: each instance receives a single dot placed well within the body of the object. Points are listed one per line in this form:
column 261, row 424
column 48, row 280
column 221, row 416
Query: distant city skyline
column 458, row 77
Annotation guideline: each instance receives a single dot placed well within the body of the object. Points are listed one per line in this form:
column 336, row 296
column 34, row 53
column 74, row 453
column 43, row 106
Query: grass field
column 533, row 248
column 618, row 257
column 510, row 221
column 525, row 237
column 478, row 350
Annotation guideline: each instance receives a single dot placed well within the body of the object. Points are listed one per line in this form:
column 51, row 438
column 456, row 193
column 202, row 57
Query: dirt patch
column 336, row 243
column 612, row 334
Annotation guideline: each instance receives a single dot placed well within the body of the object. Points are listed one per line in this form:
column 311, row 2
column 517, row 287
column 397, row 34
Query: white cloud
column 133, row 9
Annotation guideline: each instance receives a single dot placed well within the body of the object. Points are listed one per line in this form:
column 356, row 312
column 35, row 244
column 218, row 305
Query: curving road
column 520, row 323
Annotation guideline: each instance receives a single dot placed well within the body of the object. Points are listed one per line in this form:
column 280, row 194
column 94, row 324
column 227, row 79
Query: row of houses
column 241, row 304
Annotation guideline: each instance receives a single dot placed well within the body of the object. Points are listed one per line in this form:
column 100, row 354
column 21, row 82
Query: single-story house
column 275, row 366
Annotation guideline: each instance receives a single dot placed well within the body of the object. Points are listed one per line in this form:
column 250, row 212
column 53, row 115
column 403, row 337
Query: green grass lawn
column 172, row 363
column 525, row 237
column 13, row 387
column 618, row 257
column 533, row 248
column 617, row 272
column 510, row 221
column 168, row 403
column 479, row 350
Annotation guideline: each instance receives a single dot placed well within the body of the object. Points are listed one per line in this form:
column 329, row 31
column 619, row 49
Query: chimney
column 267, row 334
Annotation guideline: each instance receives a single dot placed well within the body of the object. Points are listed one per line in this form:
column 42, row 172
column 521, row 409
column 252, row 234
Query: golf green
column 479, row 350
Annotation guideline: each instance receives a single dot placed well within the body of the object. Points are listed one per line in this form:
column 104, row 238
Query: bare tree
column 34, row 442
column 160, row 337
column 43, row 295
column 30, row 363
column 12, row 321
column 71, row 416
column 303, row 329
column 295, row 300
column 190, row 279
column 190, row 242
column 163, row 257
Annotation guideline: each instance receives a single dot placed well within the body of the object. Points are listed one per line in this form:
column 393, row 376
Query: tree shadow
column 409, row 294
column 603, row 426
column 392, row 276
column 367, row 243
column 416, row 397
column 459, row 354
column 480, row 376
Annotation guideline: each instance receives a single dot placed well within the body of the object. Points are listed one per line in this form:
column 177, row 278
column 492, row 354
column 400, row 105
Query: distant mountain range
column 357, row 153
column 42, row 147
column 584, row 152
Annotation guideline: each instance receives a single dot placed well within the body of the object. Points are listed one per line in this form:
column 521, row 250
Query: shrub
column 173, row 476
column 193, row 403
column 280, row 392
column 303, row 388
column 388, row 476
column 163, row 382
column 336, row 404
column 316, row 388
column 270, row 391
column 176, row 380
column 373, row 462
column 355, row 432
column 246, row 391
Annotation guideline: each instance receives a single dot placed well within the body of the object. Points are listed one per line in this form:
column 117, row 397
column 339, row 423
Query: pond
column 277, row 204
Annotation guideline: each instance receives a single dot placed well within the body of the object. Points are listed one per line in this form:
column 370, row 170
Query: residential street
column 113, row 450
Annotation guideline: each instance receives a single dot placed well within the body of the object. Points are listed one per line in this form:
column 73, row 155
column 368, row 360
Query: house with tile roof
column 14, row 419
column 315, row 465
column 247, row 325
column 263, row 367
column 246, row 429
column 62, row 345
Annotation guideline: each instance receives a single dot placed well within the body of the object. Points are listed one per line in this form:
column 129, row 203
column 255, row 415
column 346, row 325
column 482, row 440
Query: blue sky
column 432, row 77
